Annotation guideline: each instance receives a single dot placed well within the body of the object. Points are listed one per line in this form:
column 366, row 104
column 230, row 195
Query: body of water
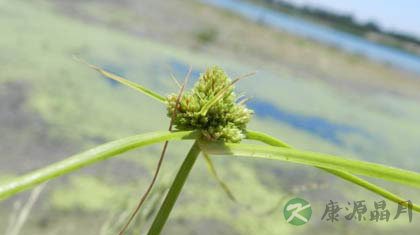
column 323, row 34
column 318, row 126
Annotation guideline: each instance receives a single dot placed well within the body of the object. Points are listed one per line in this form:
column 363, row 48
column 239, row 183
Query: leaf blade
column 88, row 157
column 316, row 159
column 124, row 81
column 213, row 172
column 267, row 139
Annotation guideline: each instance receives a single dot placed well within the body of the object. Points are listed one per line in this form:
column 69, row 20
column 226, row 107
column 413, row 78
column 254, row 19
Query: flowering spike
column 224, row 119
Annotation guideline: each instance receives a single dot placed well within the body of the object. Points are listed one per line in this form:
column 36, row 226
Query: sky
column 398, row 15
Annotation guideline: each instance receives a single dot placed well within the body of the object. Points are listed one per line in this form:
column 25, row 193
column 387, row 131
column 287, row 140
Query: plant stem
column 262, row 137
column 174, row 191
column 89, row 157
column 162, row 155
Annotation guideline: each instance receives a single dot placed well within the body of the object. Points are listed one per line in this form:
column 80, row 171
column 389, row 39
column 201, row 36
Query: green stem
column 174, row 191
column 316, row 159
column 253, row 135
column 89, row 157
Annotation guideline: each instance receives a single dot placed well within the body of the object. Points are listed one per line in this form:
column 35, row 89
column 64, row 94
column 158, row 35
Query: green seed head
column 225, row 120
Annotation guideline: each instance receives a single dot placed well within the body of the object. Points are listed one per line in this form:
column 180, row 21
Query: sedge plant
column 216, row 119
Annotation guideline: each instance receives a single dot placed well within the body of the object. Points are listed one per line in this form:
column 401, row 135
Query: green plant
column 211, row 115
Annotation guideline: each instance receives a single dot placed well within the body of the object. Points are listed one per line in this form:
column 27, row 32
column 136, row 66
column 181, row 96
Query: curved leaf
column 89, row 157
column 316, row 159
column 212, row 170
column 253, row 135
column 124, row 81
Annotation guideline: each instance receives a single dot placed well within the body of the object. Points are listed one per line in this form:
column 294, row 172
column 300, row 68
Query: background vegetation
column 313, row 96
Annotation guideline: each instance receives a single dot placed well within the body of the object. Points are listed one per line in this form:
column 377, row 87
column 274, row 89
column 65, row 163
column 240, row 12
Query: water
column 323, row 34
column 318, row 126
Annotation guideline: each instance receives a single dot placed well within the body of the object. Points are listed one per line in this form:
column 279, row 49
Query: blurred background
column 339, row 77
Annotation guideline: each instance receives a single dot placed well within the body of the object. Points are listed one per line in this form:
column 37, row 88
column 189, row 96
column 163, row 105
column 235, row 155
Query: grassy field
column 310, row 95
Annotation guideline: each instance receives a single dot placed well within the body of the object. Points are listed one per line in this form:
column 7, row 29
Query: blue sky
column 398, row 15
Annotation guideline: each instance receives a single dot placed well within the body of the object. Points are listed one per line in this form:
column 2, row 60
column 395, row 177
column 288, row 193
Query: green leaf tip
column 222, row 118
column 123, row 81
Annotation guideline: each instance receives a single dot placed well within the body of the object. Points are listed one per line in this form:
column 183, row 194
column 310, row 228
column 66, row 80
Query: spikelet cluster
column 225, row 120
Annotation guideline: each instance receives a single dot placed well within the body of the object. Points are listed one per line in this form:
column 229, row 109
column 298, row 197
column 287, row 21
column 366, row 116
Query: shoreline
column 369, row 30
column 206, row 29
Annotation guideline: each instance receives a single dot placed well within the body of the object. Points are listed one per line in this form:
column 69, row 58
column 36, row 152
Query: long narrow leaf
column 213, row 172
column 372, row 187
column 253, row 135
column 267, row 139
column 316, row 159
column 124, row 81
column 89, row 157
